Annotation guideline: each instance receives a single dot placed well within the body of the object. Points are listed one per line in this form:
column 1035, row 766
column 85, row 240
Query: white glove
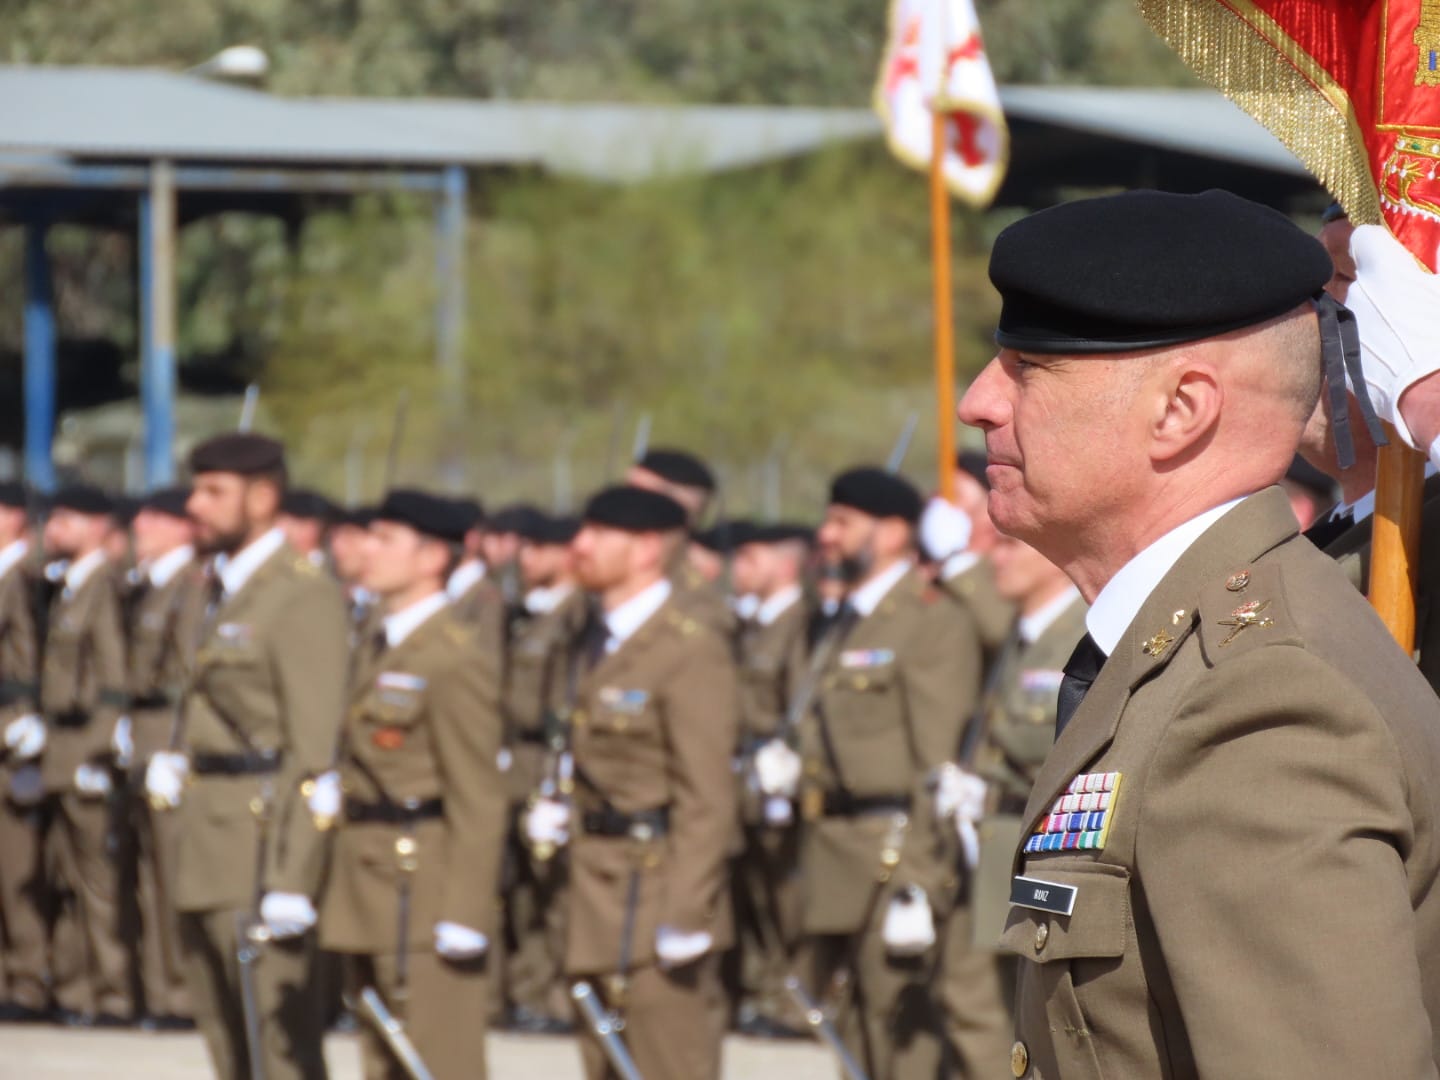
column 548, row 822
column 26, row 787
column 165, row 777
column 961, row 795
column 325, row 796
column 944, row 529
column 25, row 737
column 122, row 742
column 676, row 947
column 286, row 915
column 92, row 780
column 777, row 769
column 456, row 942
column 504, row 758
column 909, row 923
column 1395, row 300
column 779, row 811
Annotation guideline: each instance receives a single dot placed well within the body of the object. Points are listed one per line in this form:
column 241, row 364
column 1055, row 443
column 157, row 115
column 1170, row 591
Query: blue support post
column 450, row 285
column 157, row 323
column 41, row 370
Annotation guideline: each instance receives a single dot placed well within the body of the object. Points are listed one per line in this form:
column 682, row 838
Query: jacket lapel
column 1156, row 634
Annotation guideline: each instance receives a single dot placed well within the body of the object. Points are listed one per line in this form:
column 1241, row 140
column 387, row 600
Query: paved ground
column 47, row 1053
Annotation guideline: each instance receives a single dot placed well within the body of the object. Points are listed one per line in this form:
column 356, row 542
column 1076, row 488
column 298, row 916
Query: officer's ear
column 263, row 493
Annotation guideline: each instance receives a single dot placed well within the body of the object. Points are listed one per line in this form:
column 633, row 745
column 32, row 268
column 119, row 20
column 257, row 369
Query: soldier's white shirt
column 235, row 570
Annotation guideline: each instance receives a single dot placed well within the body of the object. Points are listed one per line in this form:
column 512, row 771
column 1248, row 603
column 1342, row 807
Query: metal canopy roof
column 119, row 114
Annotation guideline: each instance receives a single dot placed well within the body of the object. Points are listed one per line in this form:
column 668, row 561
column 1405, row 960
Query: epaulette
column 305, row 567
column 687, row 625
column 1244, row 610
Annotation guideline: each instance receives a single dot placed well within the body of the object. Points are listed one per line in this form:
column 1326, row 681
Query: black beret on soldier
column 542, row 528
column 1146, row 269
column 170, row 501
column 308, row 504
column 431, row 515
column 783, row 533
column 471, row 512
column 878, row 493
column 358, row 516
column 633, row 509
column 518, row 518
column 678, row 467
column 238, row 452
column 83, row 499
column 725, row 536
column 14, row 495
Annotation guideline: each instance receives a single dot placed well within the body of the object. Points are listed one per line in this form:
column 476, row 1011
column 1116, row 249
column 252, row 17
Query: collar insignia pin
column 1237, row 582
column 1157, row 644
column 1245, row 616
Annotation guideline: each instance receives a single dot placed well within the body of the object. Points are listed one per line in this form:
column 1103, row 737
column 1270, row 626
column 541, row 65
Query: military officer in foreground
column 166, row 610
column 900, row 672
column 26, row 964
column 1228, row 855
column 260, row 716
column 411, row 897
column 654, row 807
column 83, row 695
column 542, row 679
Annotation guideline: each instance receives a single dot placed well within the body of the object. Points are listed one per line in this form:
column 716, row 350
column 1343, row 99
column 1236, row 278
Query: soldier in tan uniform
column 540, row 686
column 23, row 955
column 411, row 898
column 773, row 657
column 82, row 696
column 1228, row 855
column 654, row 807
column 305, row 519
column 900, row 674
column 165, row 614
column 477, row 600
column 260, row 716
column 986, row 795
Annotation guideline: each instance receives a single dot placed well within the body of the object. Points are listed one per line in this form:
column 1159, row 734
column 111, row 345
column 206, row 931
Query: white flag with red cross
column 935, row 60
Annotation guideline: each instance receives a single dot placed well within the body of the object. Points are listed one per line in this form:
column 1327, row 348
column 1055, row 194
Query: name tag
column 1043, row 895
column 1041, row 680
column 866, row 658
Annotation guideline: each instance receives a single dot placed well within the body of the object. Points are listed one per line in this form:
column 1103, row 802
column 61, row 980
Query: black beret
column 678, row 467
column 973, row 464
column 725, row 536
column 471, row 513
column 518, row 518
column 358, row 516
column 634, row 509
column 1145, row 269
column 783, row 533
column 83, row 499
column 169, row 501
column 13, row 494
column 432, row 515
column 238, row 452
column 309, row 504
column 547, row 529
column 876, row 492
column 123, row 509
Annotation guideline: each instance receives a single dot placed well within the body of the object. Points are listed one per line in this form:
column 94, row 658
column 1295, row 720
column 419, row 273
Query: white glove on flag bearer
column 456, row 942
column 25, row 737
column 165, row 777
column 676, row 947
column 961, row 795
column 326, row 796
column 548, row 822
column 909, row 923
column 286, row 915
column 935, row 60
column 777, row 769
column 944, row 529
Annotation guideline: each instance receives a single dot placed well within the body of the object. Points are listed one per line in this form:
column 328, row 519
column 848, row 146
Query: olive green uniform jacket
column 1259, row 899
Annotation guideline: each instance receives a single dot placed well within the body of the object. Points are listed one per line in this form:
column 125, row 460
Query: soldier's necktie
column 1081, row 671
column 1324, row 533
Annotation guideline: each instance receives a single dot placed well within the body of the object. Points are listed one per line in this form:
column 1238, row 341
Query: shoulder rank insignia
column 1080, row 819
column 1251, row 613
column 1157, row 645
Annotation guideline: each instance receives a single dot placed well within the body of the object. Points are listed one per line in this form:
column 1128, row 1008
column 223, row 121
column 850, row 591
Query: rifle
column 391, row 1032
column 902, row 444
column 642, row 438
column 248, row 407
column 606, row 1027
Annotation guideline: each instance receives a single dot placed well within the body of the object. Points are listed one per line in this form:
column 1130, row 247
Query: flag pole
column 944, row 315
column 1395, row 542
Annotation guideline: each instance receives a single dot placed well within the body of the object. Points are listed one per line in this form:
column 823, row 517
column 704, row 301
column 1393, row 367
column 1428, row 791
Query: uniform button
column 1019, row 1059
column 1042, row 935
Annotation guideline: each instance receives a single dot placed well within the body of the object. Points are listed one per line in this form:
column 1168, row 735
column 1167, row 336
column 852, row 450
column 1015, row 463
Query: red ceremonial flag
column 1352, row 87
column 935, row 60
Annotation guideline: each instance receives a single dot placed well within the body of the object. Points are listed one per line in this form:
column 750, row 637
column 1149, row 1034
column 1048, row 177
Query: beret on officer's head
column 14, row 495
column 518, row 518
column 725, row 536
column 83, row 499
column 470, row 511
column 542, row 528
column 878, row 493
column 308, row 504
column 1146, row 269
column 359, row 517
column 238, row 452
column 678, row 467
column 782, row 533
column 430, row 515
column 170, row 501
column 634, row 509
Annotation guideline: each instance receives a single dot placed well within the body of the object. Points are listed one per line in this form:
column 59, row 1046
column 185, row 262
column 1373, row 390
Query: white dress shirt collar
column 163, row 570
column 777, row 605
column 625, row 620
column 11, row 556
column 544, row 601
column 1036, row 623
column 235, row 570
column 1125, row 594
column 401, row 624
column 79, row 571
column 867, row 597
column 957, row 564
column 464, row 578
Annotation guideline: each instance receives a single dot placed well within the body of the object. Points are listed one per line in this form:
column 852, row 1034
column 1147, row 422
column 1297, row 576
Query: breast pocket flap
column 1099, row 924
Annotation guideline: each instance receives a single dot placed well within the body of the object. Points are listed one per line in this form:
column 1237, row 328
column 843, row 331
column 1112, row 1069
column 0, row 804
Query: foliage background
column 777, row 320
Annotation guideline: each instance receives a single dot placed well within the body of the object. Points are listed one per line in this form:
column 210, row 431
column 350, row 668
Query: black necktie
column 1324, row 533
column 1080, row 671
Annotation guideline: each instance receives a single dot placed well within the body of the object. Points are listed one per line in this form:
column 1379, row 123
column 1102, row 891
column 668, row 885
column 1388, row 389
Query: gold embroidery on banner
column 1427, row 42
